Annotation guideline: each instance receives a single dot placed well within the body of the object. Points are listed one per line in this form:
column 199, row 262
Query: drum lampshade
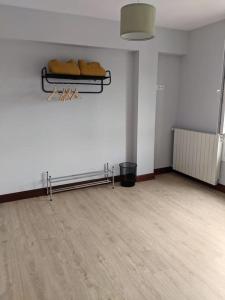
column 137, row 21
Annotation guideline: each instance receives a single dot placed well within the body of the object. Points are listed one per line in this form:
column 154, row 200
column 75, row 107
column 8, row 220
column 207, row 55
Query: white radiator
column 197, row 154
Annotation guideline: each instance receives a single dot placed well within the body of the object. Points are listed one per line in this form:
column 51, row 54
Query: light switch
column 160, row 87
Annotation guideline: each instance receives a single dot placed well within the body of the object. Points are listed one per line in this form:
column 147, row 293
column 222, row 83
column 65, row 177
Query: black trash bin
column 128, row 172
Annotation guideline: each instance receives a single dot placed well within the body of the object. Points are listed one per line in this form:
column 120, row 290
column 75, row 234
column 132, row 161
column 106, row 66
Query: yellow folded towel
column 69, row 67
column 91, row 68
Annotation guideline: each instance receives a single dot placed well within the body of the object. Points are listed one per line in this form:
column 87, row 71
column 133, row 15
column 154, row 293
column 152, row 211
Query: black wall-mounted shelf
column 54, row 79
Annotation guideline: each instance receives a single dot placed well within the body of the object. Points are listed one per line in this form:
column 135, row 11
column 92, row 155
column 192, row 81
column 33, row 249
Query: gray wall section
column 169, row 72
column 23, row 105
column 191, row 99
column 132, row 110
column 201, row 78
column 222, row 175
column 37, row 135
column 33, row 25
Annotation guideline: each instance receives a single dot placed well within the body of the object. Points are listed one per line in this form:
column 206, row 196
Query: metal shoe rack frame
column 60, row 79
column 58, row 184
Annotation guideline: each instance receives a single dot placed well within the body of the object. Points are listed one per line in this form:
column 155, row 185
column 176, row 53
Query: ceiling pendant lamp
column 137, row 22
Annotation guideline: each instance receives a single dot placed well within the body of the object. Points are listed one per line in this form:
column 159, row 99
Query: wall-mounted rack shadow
column 61, row 79
column 71, row 182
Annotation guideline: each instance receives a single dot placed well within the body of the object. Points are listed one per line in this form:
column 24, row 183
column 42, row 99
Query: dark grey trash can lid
column 128, row 165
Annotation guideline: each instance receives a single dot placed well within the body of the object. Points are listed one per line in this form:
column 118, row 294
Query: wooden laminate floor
column 162, row 239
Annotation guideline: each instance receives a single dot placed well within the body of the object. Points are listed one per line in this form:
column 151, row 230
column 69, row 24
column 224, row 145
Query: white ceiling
column 177, row 14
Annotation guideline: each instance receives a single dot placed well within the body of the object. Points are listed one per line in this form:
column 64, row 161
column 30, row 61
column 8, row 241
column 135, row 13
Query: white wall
column 37, row 135
column 169, row 72
column 34, row 25
column 201, row 78
column 39, row 26
column 132, row 111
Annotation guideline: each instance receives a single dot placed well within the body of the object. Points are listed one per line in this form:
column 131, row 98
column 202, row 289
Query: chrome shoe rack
column 78, row 181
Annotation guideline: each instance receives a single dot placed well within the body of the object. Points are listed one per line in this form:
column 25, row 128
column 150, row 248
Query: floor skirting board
column 22, row 195
column 221, row 188
column 145, row 177
column 218, row 187
column 42, row 191
column 163, row 170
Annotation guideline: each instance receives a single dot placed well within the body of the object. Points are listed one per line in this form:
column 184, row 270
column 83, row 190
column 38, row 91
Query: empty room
column 112, row 165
